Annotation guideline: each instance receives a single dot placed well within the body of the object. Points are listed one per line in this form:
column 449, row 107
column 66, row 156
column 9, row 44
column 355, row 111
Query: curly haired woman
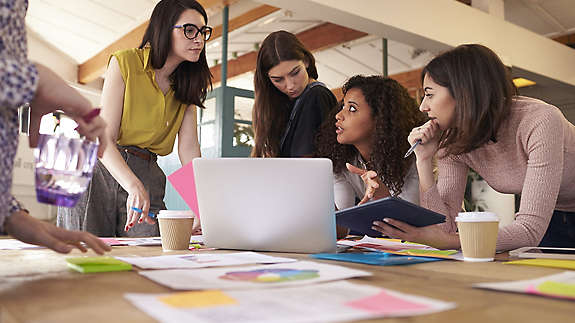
column 371, row 125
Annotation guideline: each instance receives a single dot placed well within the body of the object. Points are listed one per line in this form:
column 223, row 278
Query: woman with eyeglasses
column 290, row 104
column 150, row 95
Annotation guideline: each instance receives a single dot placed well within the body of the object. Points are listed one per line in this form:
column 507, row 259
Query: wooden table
column 36, row 286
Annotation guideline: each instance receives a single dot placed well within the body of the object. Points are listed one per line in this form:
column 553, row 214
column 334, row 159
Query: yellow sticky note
column 557, row 289
column 553, row 263
column 204, row 298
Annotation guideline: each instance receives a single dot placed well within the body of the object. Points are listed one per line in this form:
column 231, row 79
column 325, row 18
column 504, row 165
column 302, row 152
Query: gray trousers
column 102, row 208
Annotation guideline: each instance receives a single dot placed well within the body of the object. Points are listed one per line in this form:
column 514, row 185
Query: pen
column 150, row 214
column 412, row 148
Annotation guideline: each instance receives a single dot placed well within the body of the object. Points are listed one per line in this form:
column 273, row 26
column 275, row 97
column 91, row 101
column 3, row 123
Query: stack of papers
column 400, row 247
column 330, row 302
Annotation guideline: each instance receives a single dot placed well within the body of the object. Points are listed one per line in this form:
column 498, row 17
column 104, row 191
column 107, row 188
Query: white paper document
column 329, row 302
column 13, row 244
column 262, row 276
column 560, row 285
column 191, row 261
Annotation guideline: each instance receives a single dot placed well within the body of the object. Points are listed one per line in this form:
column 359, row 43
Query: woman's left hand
column 431, row 235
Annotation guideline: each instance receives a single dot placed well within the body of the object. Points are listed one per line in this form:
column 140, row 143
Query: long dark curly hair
column 395, row 114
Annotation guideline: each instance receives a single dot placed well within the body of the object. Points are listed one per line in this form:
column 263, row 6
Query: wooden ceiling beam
column 96, row 66
column 315, row 39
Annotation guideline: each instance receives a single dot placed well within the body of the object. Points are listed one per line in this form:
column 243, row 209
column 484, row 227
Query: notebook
column 267, row 204
column 360, row 218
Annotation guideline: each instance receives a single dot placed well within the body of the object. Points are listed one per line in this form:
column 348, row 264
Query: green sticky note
column 557, row 289
column 97, row 264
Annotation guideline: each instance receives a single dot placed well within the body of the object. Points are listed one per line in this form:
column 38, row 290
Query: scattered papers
column 330, row 302
column 400, row 247
column 278, row 275
column 385, row 244
column 184, row 182
column 553, row 263
column 558, row 286
column 13, row 244
column 153, row 241
column 191, row 261
column 374, row 258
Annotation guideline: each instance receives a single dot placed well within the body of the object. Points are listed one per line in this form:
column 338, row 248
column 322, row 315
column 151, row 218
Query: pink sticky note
column 384, row 303
column 113, row 241
column 184, row 182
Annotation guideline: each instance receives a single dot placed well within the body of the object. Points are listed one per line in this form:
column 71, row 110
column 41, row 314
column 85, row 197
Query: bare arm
column 112, row 109
column 188, row 145
column 52, row 94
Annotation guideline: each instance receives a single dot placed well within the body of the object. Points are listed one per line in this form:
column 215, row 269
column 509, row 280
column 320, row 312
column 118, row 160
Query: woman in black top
column 290, row 104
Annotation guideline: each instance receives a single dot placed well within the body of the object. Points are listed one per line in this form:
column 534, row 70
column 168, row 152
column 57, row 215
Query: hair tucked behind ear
column 191, row 81
column 483, row 91
column 271, row 107
column 395, row 113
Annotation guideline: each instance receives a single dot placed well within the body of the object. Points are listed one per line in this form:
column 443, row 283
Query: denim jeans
column 561, row 231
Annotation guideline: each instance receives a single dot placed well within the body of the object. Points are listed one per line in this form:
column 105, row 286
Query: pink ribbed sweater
column 534, row 156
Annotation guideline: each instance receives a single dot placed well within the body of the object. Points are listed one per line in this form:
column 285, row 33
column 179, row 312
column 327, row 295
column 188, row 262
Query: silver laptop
column 268, row 204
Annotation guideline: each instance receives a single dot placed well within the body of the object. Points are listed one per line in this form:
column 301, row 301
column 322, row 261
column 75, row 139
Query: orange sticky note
column 204, row 298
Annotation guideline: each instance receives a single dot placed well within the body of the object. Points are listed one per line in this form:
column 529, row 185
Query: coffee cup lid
column 477, row 217
column 175, row 214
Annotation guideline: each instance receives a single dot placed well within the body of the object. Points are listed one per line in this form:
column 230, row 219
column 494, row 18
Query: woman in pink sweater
column 519, row 145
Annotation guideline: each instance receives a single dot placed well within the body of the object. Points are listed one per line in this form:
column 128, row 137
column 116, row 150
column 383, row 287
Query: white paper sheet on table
column 192, row 261
column 329, row 302
column 560, row 285
column 13, row 244
column 248, row 277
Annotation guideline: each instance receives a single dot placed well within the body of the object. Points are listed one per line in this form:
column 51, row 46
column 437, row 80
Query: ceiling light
column 522, row 82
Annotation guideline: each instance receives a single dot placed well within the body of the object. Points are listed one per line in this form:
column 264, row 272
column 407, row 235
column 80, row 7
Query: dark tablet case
column 360, row 218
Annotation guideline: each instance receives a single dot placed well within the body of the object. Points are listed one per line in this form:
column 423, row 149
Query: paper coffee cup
column 175, row 229
column 478, row 235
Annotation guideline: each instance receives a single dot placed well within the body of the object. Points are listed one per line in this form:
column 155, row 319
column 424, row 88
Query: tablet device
column 360, row 218
column 544, row 252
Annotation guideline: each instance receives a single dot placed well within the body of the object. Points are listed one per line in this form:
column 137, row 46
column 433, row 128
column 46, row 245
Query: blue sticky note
column 375, row 258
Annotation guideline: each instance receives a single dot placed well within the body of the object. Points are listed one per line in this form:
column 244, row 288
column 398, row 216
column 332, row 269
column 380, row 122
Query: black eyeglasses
column 191, row 31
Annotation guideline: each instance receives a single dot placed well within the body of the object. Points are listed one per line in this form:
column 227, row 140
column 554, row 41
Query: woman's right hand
column 139, row 198
column 429, row 134
column 374, row 188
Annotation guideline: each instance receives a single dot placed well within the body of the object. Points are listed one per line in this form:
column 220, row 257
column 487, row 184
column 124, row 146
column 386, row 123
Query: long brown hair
column 483, row 92
column 190, row 81
column 271, row 106
column 394, row 113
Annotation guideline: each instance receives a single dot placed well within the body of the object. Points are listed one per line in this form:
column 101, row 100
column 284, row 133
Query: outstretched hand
column 374, row 188
column 431, row 235
column 25, row 228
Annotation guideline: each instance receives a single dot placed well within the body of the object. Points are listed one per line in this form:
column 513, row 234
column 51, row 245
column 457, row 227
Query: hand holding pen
column 424, row 140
